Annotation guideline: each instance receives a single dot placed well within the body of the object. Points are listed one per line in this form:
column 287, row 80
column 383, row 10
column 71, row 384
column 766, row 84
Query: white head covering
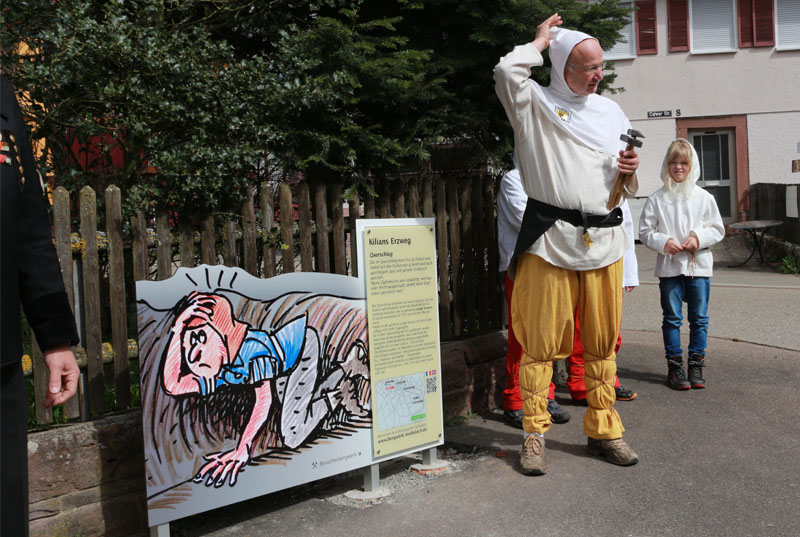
column 680, row 190
column 592, row 119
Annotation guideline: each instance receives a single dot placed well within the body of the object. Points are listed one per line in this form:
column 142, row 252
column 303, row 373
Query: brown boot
column 531, row 458
column 617, row 451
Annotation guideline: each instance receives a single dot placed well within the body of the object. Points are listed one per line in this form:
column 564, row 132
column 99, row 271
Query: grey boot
column 696, row 364
column 676, row 378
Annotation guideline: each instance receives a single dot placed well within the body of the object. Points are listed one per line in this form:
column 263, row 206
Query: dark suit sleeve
column 41, row 287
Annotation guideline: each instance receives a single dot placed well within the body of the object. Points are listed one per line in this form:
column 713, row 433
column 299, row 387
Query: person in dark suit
column 30, row 274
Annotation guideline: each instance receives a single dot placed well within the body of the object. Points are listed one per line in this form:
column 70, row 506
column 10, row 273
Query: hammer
column 631, row 138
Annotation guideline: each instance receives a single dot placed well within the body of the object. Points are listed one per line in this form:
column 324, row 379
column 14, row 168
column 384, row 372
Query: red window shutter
column 646, row 27
column 764, row 29
column 678, row 25
column 745, row 23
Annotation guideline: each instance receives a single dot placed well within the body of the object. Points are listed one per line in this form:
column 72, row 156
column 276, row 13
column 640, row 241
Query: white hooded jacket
column 669, row 215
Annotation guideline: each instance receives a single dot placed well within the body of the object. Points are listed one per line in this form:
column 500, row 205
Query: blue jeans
column 674, row 292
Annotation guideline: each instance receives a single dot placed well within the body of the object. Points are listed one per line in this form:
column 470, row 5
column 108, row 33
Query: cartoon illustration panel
column 249, row 386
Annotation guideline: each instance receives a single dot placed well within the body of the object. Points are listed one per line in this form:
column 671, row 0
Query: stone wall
column 88, row 479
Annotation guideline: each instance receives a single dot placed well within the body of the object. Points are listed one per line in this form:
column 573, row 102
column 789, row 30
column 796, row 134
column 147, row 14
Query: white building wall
column 659, row 133
column 774, row 143
column 749, row 81
column 760, row 83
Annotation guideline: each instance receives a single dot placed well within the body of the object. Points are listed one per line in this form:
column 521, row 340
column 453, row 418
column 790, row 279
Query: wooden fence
column 771, row 201
column 100, row 266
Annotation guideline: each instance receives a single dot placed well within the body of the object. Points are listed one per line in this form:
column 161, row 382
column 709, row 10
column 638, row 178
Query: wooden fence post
column 41, row 383
column 141, row 269
column 337, row 215
column 353, row 209
column 249, row 257
column 287, row 228
column 116, row 284
column 427, row 196
column 413, row 198
column 91, row 298
column 441, row 247
column 229, row 243
column 164, row 248
column 495, row 286
column 479, row 233
column 369, row 206
column 62, row 225
column 455, row 253
column 208, row 242
column 469, row 313
column 304, row 223
column 399, row 198
column 186, row 245
column 321, row 219
column 384, row 199
column 267, row 195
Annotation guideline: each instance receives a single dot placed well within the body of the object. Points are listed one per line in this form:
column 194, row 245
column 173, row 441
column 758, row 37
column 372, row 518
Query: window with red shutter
column 756, row 23
column 763, row 23
column 646, row 27
column 678, row 25
column 745, row 23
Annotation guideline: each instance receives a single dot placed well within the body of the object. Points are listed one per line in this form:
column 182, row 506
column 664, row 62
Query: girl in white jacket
column 680, row 221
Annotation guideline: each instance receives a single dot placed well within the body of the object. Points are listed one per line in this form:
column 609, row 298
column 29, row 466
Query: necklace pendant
column 587, row 240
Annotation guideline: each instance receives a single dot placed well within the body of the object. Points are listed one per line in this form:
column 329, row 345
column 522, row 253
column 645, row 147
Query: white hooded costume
column 679, row 213
column 567, row 146
column 511, row 200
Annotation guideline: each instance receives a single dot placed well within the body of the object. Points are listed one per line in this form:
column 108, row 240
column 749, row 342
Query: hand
column 201, row 307
column 628, row 162
column 64, row 374
column 691, row 244
column 672, row 247
column 221, row 465
column 542, row 39
column 629, row 288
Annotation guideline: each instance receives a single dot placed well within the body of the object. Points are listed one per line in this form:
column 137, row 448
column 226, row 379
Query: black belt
column 539, row 217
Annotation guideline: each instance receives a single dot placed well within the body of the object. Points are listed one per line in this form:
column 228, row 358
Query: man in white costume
column 569, row 253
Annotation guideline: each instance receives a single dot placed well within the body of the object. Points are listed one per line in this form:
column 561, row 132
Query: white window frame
column 621, row 50
column 733, row 46
column 789, row 11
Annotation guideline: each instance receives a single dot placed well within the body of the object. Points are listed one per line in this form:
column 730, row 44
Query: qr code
column 430, row 384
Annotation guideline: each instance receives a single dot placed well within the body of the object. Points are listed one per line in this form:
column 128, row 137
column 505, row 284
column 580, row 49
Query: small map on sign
column 401, row 401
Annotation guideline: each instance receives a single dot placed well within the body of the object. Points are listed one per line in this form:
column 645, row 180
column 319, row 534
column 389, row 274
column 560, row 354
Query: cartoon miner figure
column 208, row 349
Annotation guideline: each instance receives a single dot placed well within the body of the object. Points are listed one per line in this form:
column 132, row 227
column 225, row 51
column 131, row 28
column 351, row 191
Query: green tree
column 197, row 91
column 467, row 38
column 119, row 88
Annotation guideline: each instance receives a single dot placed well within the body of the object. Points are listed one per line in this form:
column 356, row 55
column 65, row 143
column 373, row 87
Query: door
column 716, row 151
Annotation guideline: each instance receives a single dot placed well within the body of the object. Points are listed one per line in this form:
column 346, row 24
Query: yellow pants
column 542, row 307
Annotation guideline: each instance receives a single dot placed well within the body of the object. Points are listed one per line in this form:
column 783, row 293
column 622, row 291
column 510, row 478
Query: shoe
column 623, row 394
column 557, row 414
column 513, row 418
column 531, row 458
column 616, row 451
column 676, row 378
column 696, row 364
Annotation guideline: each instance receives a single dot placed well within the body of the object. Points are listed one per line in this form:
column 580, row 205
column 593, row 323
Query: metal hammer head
column 631, row 137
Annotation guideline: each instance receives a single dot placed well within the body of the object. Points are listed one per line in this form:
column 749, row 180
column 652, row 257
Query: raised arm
column 513, row 70
column 200, row 307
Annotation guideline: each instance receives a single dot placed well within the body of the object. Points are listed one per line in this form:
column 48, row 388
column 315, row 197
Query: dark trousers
column 14, row 449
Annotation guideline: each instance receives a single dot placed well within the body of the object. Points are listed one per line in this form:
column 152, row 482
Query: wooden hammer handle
column 619, row 185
